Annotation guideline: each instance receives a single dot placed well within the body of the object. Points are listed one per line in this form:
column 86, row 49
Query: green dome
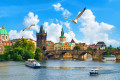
column 3, row 31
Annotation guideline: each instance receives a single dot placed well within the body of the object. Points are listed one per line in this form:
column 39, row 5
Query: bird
column 75, row 21
column 29, row 27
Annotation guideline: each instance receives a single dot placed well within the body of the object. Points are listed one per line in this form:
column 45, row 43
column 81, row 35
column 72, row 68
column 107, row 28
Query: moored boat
column 94, row 72
column 32, row 63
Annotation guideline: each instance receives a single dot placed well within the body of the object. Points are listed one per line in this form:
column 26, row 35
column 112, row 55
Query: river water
column 60, row 70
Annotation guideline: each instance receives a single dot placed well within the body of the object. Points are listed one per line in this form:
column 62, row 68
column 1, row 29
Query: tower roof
column 62, row 33
column 42, row 31
column 3, row 31
column 72, row 41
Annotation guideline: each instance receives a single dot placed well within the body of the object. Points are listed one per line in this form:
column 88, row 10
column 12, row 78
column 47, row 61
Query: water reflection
column 60, row 70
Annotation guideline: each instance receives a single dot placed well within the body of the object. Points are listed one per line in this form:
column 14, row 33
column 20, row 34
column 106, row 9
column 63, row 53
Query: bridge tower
column 41, row 39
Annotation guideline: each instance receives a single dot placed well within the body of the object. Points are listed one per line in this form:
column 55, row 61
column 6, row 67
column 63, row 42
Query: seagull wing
column 25, row 28
column 80, row 13
column 67, row 19
column 32, row 25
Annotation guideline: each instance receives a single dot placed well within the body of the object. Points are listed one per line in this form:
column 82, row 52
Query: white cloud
column 58, row 7
column 67, row 24
column 31, row 19
column 53, row 31
column 13, row 34
column 94, row 31
column 28, row 20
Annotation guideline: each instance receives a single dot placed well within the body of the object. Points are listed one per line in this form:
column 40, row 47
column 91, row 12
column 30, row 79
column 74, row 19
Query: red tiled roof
column 50, row 41
column 58, row 43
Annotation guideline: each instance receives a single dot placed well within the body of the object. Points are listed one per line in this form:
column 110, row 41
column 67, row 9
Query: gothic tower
column 41, row 39
column 62, row 38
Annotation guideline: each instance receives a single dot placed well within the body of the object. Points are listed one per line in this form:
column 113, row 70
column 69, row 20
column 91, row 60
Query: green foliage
column 7, row 49
column 76, row 47
column 28, row 55
column 38, row 54
column 110, row 47
column 19, row 58
column 2, row 57
column 22, row 50
column 89, row 48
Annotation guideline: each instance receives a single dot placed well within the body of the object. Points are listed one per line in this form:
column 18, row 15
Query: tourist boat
column 32, row 63
column 94, row 72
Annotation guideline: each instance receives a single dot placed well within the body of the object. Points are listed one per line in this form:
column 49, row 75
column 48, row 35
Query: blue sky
column 15, row 15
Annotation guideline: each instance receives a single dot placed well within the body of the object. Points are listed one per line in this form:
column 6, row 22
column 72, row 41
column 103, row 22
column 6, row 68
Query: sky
column 100, row 21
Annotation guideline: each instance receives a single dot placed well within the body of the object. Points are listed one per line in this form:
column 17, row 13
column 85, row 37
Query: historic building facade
column 62, row 38
column 49, row 45
column 82, row 46
column 101, row 45
column 4, row 39
column 72, row 44
column 41, row 39
column 57, row 46
column 66, row 46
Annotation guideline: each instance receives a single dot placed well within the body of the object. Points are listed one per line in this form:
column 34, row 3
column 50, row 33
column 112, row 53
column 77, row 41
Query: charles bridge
column 81, row 54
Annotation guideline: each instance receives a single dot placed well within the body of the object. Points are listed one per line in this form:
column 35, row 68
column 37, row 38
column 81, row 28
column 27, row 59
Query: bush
column 19, row 58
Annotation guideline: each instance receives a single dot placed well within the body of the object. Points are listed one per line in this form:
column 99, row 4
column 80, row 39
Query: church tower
column 41, row 39
column 62, row 38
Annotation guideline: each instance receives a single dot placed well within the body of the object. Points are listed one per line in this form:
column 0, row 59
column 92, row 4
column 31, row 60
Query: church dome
column 3, row 31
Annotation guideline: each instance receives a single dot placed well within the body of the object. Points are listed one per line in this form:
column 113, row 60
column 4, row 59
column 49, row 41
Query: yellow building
column 57, row 46
column 66, row 46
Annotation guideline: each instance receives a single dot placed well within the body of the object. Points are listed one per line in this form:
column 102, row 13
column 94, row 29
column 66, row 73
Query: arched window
column 6, row 37
column 2, row 37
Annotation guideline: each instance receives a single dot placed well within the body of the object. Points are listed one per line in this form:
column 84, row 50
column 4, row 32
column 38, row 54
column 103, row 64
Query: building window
column 6, row 37
column 2, row 37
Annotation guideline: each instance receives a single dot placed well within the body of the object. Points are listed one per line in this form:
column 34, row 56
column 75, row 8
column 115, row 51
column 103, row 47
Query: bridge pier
column 83, row 57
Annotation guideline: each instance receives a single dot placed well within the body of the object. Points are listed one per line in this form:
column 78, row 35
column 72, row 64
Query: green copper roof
column 68, row 43
column 48, row 44
column 62, row 36
column 3, row 31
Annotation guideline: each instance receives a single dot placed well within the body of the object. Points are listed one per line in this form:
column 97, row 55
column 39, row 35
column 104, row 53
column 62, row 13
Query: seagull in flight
column 75, row 21
column 28, row 27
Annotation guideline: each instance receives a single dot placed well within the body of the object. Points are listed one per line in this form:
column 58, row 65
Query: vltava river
column 60, row 70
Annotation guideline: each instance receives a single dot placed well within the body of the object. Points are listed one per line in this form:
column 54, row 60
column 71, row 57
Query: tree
column 89, row 48
column 28, row 55
column 76, row 47
column 19, row 58
column 31, row 45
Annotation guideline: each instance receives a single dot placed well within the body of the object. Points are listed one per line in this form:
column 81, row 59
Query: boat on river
column 32, row 63
column 94, row 72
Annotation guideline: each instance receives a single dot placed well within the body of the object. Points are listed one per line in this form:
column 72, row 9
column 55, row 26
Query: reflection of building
column 101, row 45
column 82, row 46
column 62, row 38
column 4, row 39
column 66, row 46
column 41, row 39
column 67, row 56
column 49, row 45
column 57, row 46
